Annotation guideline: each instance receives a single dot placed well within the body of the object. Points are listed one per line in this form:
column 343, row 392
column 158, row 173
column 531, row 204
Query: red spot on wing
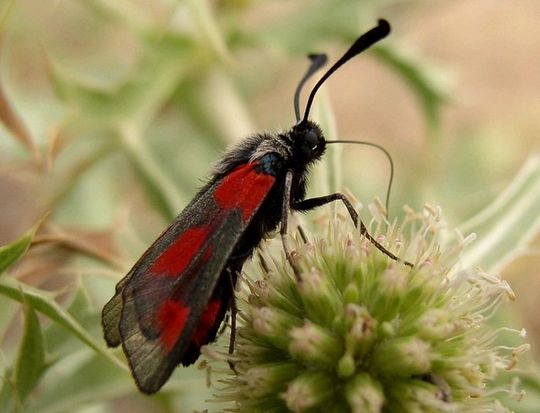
column 207, row 254
column 171, row 319
column 208, row 321
column 243, row 188
column 174, row 260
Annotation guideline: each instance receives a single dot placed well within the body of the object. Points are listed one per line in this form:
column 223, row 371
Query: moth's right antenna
column 364, row 42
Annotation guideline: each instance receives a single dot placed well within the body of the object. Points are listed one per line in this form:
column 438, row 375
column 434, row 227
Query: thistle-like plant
column 363, row 333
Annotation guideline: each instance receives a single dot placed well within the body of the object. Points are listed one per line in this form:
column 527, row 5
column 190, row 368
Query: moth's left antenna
column 317, row 61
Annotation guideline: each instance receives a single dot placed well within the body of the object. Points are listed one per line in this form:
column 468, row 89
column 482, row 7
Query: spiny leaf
column 5, row 13
column 44, row 303
column 420, row 80
column 330, row 174
column 61, row 341
column 31, row 359
column 158, row 186
column 21, row 378
column 89, row 380
column 120, row 13
column 8, row 394
column 506, row 226
column 11, row 253
column 14, row 124
column 304, row 27
column 201, row 13
column 137, row 97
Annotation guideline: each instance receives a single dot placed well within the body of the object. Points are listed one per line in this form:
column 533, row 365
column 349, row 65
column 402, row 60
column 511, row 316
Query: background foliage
column 112, row 113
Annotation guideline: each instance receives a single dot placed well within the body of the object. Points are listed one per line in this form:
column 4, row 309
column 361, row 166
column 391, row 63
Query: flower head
column 363, row 333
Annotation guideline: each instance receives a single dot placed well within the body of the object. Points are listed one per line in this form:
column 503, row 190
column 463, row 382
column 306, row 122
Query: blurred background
column 112, row 114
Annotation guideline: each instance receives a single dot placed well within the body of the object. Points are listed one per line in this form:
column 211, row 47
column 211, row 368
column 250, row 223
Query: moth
column 175, row 297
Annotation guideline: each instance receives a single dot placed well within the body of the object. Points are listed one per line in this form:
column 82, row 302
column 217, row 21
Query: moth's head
column 308, row 142
column 306, row 137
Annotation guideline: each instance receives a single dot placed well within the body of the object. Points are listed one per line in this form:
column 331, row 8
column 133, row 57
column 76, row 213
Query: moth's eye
column 312, row 140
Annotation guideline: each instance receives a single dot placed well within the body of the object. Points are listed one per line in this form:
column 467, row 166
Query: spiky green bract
column 364, row 334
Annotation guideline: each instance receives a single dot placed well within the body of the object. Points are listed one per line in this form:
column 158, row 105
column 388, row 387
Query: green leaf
column 166, row 58
column 329, row 172
column 8, row 393
column 44, row 303
column 21, row 378
column 303, row 28
column 507, row 225
column 31, row 359
column 5, row 13
column 421, row 81
column 205, row 21
column 530, row 383
column 60, row 341
column 120, row 13
column 11, row 253
column 91, row 380
column 159, row 188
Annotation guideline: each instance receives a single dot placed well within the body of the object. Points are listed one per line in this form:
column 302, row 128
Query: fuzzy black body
column 275, row 155
column 163, row 311
column 175, row 297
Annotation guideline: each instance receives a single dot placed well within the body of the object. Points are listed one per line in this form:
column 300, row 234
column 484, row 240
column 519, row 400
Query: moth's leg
column 311, row 203
column 285, row 209
column 224, row 326
column 234, row 312
column 302, row 233
column 263, row 263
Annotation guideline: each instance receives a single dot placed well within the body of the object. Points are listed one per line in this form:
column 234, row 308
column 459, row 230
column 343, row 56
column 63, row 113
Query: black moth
column 175, row 297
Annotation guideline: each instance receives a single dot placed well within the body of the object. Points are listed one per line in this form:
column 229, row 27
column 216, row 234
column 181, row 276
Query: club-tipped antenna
column 390, row 161
column 364, row 42
column 317, row 61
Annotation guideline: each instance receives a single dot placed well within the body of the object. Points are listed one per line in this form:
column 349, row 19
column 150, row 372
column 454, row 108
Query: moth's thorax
column 302, row 145
column 276, row 144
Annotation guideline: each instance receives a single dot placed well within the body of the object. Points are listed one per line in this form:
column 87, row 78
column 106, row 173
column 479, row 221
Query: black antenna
column 390, row 161
column 364, row 42
column 317, row 61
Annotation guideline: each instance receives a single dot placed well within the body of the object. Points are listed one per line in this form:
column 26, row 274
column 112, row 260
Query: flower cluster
column 362, row 333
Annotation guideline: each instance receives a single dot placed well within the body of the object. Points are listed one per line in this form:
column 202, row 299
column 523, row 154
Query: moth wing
column 159, row 317
column 110, row 316
column 158, row 306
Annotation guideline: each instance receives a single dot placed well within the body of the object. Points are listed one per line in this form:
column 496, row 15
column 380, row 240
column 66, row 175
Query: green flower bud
column 437, row 324
column 307, row 390
column 319, row 297
column 261, row 379
column 362, row 330
column 346, row 366
column 402, row 357
column 364, row 394
column 312, row 344
column 273, row 324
